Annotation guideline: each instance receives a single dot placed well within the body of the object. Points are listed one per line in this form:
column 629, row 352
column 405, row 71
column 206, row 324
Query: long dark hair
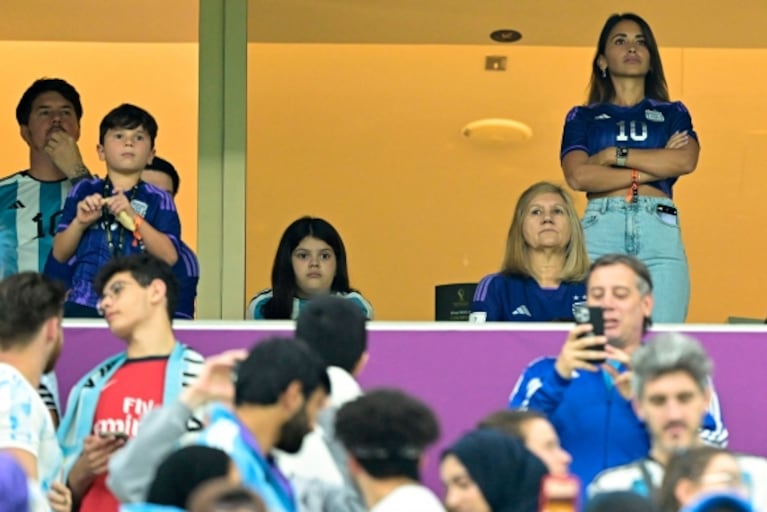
column 602, row 90
column 284, row 287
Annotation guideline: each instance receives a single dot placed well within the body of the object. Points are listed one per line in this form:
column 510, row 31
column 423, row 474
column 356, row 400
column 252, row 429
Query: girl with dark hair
column 626, row 149
column 310, row 262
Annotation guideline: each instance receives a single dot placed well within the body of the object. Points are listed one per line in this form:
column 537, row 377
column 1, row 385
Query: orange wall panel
column 368, row 137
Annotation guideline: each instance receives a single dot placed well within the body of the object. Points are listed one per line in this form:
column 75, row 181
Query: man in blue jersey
column 589, row 403
column 164, row 176
column 31, row 201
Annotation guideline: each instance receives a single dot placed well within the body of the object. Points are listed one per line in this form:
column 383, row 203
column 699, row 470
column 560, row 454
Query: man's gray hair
column 667, row 353
column 644, row 279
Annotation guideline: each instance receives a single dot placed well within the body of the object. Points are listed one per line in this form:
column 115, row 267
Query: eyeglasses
column 112, row 293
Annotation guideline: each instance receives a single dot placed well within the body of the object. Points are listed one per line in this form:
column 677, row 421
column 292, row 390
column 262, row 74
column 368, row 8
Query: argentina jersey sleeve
column 162, row 214
column 79, row 192
column 681, row 120
column 486, row 303
column 575, row 132
column 539, row 388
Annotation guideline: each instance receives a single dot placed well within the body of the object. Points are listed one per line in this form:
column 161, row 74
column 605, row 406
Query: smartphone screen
column 593, row 315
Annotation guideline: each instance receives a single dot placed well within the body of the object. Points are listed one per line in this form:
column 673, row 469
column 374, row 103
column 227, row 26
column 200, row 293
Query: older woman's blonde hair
column 517, row 258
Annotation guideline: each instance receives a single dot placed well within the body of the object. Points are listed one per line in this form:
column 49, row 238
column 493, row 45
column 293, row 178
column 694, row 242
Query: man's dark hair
column 43, row 85
column 144, row 268
column 27, row 301
column 161, row 165
column 129, row 117
column 510, row 422
column 387, row 431
column 335, row 328
column 272, row 365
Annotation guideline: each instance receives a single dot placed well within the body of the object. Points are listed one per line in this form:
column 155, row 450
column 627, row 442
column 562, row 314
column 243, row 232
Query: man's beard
column 293, row 431
column 50, row 364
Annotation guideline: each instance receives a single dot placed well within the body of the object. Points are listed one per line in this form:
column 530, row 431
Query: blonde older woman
column 542, row 275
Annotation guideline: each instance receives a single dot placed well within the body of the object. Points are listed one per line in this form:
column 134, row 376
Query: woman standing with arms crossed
column 626, row 149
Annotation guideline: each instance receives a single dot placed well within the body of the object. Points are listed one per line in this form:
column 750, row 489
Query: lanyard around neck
column 108, row 220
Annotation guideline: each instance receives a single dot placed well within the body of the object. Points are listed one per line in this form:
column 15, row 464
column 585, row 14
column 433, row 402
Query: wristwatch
column 621, row 154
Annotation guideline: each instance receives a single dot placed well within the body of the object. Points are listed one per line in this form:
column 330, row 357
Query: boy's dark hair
column 43, row 85
column 386, row 431
column 161, row 165
column 27, row 301
column 129, row 117
column 335, row 328
column 144, row 268
column 272, row 365
column 510, row 422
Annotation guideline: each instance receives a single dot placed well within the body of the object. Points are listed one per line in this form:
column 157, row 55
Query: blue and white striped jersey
column 29, row 213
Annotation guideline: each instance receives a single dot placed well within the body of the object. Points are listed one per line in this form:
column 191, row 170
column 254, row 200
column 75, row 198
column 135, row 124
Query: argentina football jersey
column 29, row 213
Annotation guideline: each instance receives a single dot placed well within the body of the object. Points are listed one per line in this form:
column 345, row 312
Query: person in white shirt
column 335, row 329
column 385, row 433
column 31, row 308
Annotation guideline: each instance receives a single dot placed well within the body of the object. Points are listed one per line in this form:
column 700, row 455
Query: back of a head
column 620, row 501
column 335, row 328
column 507, row 473
column 221, row 495
column 272, row 365
column 144, row 268
column 161, row 165
column 387, row 431
column 14, row 488
column 27, row 301
column 41, row 86
column 666, row 353
column 182, row 471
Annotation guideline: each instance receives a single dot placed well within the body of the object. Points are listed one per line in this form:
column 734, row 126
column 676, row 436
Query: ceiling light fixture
column 497, row 132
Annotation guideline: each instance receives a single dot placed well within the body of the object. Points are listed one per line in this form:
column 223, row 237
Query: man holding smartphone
column 587, row 401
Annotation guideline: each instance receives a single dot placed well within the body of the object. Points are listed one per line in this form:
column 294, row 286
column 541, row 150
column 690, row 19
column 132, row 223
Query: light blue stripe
column 8, row 232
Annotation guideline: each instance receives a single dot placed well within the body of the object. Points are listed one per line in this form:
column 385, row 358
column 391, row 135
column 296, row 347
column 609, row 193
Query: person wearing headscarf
column 489, row 471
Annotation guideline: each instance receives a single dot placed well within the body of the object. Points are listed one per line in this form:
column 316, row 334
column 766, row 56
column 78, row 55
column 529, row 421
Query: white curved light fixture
column 497, row 131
